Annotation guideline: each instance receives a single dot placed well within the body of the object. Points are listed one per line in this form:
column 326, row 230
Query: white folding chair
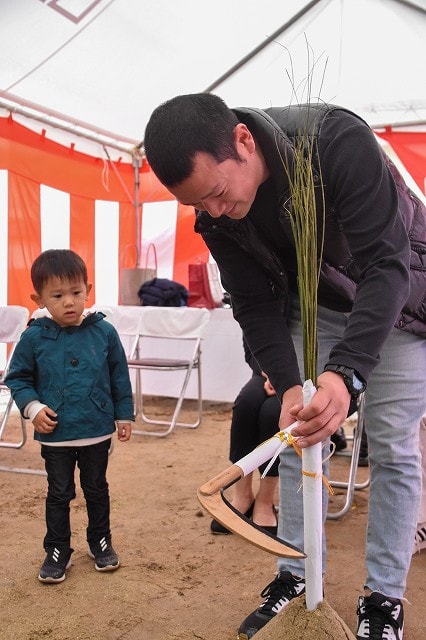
column 351, row 484
column 169, row 340
column 13, row 320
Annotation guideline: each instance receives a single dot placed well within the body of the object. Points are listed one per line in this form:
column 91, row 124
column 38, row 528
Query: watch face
column 357, row 384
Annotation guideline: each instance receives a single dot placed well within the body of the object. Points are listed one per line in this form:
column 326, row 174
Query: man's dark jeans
column 60, row 463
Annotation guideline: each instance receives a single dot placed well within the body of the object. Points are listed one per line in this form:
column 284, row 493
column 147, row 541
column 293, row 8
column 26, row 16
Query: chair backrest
column 13, row 320
column 107, row 311
column 40, row 313
column 169, row 332
column 173, row 322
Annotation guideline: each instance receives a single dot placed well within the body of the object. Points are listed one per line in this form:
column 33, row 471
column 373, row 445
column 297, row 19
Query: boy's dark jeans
column 60, row 463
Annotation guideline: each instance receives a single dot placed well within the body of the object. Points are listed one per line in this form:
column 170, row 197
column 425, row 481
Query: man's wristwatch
column 353, row 381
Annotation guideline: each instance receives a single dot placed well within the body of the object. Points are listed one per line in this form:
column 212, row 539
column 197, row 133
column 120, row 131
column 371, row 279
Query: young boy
column 69, row 376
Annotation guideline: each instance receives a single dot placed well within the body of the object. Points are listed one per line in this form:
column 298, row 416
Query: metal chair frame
column 157, row 323
column 13, row 320
column 351, row 485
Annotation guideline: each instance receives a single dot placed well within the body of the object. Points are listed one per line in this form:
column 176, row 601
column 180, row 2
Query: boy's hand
column 45, row 421
column 124, row 431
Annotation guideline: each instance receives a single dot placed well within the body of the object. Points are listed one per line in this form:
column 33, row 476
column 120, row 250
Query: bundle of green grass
column 295, row 622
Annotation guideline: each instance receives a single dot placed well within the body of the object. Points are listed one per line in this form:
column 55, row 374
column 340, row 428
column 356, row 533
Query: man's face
column 225, row 188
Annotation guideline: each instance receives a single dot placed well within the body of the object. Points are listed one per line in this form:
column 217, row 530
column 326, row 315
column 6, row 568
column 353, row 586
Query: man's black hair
column 183, row 126
column 60, row 263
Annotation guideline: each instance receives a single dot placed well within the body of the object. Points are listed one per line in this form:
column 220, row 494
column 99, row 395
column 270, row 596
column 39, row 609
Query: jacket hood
column 48, row 323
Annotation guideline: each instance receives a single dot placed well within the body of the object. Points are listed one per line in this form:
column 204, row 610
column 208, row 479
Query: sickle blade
column 221, row 510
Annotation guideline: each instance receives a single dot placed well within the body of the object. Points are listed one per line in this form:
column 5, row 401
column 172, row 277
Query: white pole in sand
column 312, row 514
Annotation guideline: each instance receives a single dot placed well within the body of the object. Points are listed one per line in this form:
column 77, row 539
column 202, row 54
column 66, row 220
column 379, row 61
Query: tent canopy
column 109, row 63
column 79, row 79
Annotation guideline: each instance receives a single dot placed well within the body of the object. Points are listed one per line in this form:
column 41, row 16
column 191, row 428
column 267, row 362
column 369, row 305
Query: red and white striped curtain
column 52, row 196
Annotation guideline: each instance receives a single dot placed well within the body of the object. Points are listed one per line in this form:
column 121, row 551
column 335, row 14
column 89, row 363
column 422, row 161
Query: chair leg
column 16, row 445
column 12, row 445
column 173, row 422
column 138, row 392
column 351, row 485
column 199, row 401
column 32, row 472
column 6, row 416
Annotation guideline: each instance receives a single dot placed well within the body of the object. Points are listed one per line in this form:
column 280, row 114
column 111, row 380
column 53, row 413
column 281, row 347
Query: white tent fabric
column 88, row 73
column 109, row 63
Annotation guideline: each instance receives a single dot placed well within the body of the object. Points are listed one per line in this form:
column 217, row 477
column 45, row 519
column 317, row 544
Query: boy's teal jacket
column 80, row 372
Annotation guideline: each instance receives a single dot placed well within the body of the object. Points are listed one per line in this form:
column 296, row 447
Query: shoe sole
column 50, row 580
column 109, row 567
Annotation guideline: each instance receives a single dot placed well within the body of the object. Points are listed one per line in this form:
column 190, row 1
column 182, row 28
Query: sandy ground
column 177, row 581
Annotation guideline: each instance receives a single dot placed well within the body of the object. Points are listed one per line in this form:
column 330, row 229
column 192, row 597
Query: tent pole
column 136, row 162
column 76, row 128
column 277, row 33
column 412, row 5
column 261, row 46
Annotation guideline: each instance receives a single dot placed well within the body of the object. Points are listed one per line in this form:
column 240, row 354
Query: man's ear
column 243, row 138
column 88, row 289
column 37, row 299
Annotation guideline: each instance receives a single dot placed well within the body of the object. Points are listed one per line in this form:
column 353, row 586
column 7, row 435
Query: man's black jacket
column 374, row 257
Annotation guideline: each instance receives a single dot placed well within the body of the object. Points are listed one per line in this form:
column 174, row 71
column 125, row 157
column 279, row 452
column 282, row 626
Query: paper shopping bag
column 132, row 279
